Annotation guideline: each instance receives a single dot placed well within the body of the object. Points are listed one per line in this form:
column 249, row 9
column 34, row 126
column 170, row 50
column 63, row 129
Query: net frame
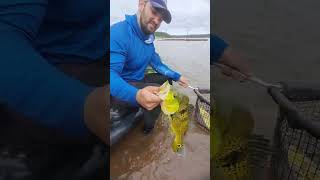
column 202, row 103
column 296, row 137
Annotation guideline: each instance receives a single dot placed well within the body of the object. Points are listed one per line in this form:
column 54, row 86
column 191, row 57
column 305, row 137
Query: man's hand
column 183, row 82
column 235, row 61
column 96, row 113
column 148, row 98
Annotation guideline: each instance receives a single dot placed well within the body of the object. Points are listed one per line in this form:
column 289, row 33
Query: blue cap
column 162, row 5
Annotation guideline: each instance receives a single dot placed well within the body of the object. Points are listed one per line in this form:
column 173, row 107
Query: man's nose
column 158, row 20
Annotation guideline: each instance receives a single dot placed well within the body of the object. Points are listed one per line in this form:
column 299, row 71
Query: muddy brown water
column 150, row 157
column 139, row 156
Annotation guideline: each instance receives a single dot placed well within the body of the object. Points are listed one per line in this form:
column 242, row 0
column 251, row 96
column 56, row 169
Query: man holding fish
column 131, row 51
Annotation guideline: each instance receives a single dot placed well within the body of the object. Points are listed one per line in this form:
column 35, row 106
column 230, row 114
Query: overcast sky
column 192, row 16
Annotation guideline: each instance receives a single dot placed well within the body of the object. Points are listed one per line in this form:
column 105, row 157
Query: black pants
column 151, row 116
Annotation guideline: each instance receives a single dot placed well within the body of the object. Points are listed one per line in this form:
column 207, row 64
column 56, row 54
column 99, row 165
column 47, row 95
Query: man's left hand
column 235, row 61
column 183, row 82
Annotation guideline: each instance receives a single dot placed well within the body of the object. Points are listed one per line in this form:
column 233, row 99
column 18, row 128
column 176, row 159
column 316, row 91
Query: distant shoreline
column 183, row 39
column 188, row 37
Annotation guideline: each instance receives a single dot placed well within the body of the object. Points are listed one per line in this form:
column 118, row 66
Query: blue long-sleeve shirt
column 131, row 51
column 34, row 34
column 217, row 47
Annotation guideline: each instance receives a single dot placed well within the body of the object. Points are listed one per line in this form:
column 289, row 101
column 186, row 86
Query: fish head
column 177, row 147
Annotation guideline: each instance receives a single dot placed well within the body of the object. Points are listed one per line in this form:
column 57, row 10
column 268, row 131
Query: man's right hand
column 148, row 98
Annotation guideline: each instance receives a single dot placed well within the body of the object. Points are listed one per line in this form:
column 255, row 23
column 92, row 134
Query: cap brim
column 164, row 11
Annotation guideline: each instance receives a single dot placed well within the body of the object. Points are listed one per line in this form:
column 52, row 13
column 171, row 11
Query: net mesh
column 298, row 152
column 202, row 109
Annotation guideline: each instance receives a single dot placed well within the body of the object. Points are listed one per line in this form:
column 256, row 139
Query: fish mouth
column 179, row 147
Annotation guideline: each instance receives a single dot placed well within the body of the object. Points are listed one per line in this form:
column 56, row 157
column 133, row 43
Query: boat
column 122, row 120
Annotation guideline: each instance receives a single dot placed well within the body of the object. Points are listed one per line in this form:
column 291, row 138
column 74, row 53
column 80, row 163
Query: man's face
column 150, row 18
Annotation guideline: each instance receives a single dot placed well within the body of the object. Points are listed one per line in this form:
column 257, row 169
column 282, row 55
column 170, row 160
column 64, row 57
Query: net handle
column 301, row 90
column 252, row 78
column 200, row 96
column 295, row 119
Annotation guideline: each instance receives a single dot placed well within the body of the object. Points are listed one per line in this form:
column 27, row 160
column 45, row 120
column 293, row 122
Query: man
column 131, row 51
column 222, row 53
column 52, row 72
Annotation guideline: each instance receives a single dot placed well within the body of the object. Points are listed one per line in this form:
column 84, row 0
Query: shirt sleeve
column 29, row 84
column 161, row 68
column 119, row 88
column 217, row 47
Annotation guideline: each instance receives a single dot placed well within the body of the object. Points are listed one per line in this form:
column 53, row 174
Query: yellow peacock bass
column 180, row 122
column 231, row 127
column 176, row 107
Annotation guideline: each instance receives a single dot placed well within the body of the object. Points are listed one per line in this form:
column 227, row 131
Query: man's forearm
column 121, row 89
column 163, row 69
column 36, row 89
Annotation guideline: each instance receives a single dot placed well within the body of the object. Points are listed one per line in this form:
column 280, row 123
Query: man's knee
column 141, row 85
column 157, row 78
